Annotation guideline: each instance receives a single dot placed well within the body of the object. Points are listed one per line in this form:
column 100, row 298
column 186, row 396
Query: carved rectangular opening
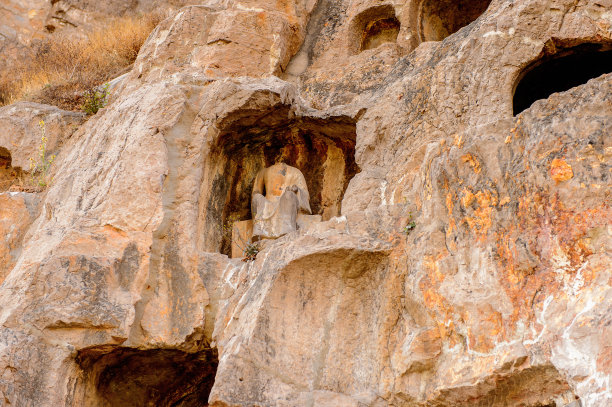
column 440, row 18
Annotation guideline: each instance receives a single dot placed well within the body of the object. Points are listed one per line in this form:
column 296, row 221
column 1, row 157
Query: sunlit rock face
column 463, row 254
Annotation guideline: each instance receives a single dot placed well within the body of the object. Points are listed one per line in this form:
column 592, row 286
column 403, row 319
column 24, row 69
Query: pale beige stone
column 499, row 295
column 20, row 131
column 17, row 211
column 279, row 194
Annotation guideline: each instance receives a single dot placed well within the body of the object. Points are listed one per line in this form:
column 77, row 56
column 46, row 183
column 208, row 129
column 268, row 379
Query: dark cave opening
column 440, row 18
column 561, row 71
column 129, row 377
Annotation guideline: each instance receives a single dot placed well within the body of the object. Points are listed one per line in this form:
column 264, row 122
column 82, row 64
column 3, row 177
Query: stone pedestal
column 242, row 232
column 304, row 221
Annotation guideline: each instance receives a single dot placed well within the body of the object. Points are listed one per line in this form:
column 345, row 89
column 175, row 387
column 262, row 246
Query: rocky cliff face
column 116, row 285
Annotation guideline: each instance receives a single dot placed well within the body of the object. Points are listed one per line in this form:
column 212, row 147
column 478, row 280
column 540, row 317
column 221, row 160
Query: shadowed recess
column 380, row 31
column 8, row 175
column 5, row 158
column 322, row 149
column 440, row 18
column 156, row 377
column 372, row 28
column 561, row 71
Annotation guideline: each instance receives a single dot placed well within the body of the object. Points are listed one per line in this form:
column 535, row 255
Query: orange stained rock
column 467, row 198
column 481, row 222
column 472, row 161
column 458, row 141
column 560, row 170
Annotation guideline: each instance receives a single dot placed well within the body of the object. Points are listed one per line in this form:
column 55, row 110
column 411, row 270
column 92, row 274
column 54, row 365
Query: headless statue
column 279, row 194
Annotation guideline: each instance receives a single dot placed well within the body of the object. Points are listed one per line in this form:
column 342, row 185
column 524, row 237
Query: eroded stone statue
column 279, row 194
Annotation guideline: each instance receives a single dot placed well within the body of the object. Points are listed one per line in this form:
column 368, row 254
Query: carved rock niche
column 437, row 19
column 372, row 28
column 323, row 149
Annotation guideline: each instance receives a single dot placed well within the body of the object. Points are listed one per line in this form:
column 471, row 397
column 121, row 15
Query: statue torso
column 277, row 178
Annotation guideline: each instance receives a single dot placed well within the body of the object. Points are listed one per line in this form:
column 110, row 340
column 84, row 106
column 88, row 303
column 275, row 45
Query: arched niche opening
column 559, row 71
column 128, row 377
column 437, row 19
column 323, row 149
column 372, row 28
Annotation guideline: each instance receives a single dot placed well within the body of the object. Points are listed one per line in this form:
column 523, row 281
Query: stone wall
column 497, row 294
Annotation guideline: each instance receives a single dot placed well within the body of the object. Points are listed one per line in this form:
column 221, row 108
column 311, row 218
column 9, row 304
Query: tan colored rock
column 17, row 211
column 233, row 39
column 20, row 131
column 23, row 22
column 450, row 267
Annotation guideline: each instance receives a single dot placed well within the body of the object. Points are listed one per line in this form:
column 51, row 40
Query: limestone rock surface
column 21, row 133
column 463, row 257
column 16, row 215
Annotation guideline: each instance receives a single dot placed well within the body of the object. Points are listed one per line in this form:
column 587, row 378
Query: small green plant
column 249, row 248
column 410, row 225
column 95, row 99
column 250, row 251
column 39, row 168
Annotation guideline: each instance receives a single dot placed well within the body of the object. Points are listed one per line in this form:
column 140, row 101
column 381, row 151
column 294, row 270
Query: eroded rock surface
column 16, row 214
column 464, row 254
column 21, row 132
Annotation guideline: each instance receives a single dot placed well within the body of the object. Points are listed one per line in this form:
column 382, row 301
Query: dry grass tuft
column 60, row 69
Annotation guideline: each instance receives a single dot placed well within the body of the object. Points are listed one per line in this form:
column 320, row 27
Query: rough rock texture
column 20, row 130
column 499, row 294
column 16, row 214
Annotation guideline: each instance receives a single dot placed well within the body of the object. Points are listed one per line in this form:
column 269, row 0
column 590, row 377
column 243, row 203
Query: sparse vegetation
column 410, row 225
column 39, row 167
column 60, row 69
column 249, row 248
column 250, row 251
column 95, row 99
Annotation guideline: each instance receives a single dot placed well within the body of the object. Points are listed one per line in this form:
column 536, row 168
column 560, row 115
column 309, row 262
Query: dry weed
column 59, row 69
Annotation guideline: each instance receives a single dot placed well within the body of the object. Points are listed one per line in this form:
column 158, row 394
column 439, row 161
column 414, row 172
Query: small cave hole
column 440, row 18
column 127, row 377
column 9, row 175
column 561, row 71
column 372, row 28
column 322, row 149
